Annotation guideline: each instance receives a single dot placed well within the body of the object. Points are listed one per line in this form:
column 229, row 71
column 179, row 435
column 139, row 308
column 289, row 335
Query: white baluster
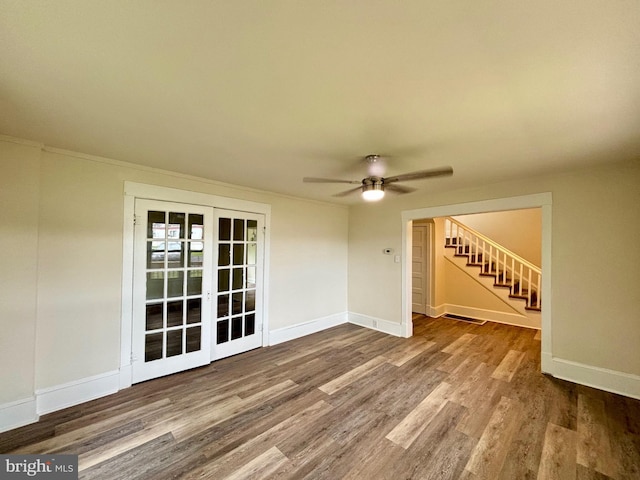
column 520, row 280
column 513, row 272
column 475, row 249
column 490, row 258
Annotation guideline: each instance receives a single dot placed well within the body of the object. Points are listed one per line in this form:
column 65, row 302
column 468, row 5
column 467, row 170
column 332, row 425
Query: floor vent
column 464, row 319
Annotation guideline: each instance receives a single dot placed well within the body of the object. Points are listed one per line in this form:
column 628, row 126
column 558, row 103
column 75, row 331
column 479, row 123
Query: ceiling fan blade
column 398, row 188
column 329, row 180
column 437, row 172
column 347, row 192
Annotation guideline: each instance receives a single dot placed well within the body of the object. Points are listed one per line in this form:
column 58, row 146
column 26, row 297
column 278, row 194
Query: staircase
column 520, row 278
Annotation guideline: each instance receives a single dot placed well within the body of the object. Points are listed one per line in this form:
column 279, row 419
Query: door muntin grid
column 236, row 272
column 174, row 293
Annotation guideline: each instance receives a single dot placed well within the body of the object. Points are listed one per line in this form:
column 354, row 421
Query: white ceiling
column 261, row 93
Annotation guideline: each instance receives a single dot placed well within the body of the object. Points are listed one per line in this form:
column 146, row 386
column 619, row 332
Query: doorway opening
column 542, row 201
column 483, row 266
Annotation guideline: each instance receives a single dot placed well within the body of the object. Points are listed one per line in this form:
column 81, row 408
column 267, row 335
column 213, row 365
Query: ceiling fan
column 374, row 186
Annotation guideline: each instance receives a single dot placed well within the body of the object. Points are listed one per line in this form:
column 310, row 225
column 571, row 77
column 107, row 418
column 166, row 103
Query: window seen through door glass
column 196, row 227
column 252, row 230
column 175, row 229
column 156, row 224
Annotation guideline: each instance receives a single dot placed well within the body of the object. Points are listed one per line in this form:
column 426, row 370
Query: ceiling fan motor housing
column 372, row 183
column 372, row 188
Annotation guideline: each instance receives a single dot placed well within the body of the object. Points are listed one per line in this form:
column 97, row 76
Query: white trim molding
column 79, row 391
column 379, row 324
column 612, row 381
column 18, row 414
column 285, row 334
column 490, row 315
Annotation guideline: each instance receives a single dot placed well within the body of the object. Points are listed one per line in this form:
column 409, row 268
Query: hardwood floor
column 455, row 401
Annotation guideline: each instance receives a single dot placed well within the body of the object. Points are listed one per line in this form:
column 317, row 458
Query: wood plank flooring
column 456, row 401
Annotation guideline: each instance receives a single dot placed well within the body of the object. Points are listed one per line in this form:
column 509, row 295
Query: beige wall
column 308, row 262
column 20, row 165
column 595, row 280
column 461, row 289
column 65, row 212
column 518, row 230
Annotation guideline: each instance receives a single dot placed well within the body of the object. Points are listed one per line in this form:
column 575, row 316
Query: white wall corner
column 436, row 311
column 385, row 326
column 18, row 414
column 73, row 393
column 546, row 363
column 286, row 334
column 602, row 378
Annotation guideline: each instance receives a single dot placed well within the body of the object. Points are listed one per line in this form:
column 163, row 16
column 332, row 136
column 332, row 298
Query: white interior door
column 238, row 282
column 419, row 270
column 173, row 270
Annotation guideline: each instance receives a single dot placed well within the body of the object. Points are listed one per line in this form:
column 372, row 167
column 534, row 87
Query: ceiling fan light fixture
column 372, row 191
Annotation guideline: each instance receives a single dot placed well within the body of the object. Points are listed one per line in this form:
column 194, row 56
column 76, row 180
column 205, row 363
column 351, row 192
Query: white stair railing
column 510, row 270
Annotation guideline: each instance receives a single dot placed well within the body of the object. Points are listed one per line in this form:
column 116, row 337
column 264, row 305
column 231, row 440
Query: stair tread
column 501, row 280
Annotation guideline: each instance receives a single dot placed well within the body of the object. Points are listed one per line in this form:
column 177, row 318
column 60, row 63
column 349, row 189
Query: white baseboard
column 483, row 314
column 76, row 392
column 126, row 376
column 18, row 414
column 602, row 378
column 374, row 323
column 285, row 334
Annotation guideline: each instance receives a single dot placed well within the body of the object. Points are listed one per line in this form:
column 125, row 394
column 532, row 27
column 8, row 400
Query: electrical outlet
column 374, row 323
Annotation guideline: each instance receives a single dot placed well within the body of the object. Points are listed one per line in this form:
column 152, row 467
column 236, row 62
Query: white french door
column 173, row 271
column 238, row 282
